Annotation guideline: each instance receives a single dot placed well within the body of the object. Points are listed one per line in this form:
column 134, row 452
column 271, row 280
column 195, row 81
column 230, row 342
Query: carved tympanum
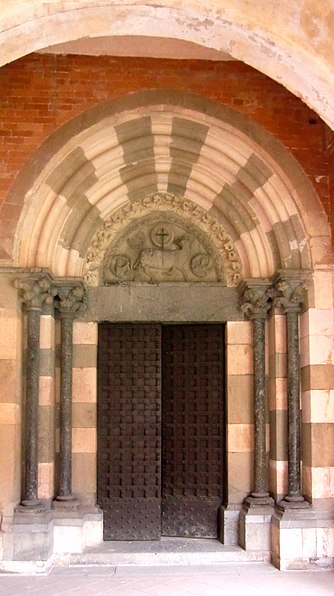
column 162, row 237
column 160, row 248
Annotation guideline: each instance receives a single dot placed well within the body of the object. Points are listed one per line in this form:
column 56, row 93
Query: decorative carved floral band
column 162, row 238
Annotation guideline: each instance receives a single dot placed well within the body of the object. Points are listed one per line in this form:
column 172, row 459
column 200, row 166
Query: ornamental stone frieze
column 162, row 238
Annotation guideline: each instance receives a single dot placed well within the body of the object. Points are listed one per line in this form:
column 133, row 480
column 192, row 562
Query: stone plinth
column 32, row 536
column 302, row 539
column 254, row 527
column 76, row 530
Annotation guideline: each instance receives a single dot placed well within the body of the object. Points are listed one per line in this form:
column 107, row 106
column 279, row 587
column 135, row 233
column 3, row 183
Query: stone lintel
column 163, row 303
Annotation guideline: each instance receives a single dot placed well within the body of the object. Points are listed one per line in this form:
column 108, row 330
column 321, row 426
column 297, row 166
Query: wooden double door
column 160, row 430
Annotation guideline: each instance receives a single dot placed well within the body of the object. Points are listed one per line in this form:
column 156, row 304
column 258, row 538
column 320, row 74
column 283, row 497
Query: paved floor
column 210, row 580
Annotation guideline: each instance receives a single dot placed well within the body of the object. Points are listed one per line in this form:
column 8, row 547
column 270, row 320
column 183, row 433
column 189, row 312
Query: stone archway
column 155, row 142
column 177, row 156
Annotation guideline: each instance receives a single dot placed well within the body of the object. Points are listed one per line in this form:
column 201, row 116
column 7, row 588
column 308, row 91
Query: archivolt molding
column 160, row 142
column 164, row 203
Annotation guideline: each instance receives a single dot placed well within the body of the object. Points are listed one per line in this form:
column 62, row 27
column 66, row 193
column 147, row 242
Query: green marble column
column 34, row 293
column 255, row 303
column 289, row 295
column 69, row 300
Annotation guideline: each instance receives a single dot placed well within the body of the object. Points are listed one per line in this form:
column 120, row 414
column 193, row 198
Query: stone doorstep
column 13, row 568
column 167, row 551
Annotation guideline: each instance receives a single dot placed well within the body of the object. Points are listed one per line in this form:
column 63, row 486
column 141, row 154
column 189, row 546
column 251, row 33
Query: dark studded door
column 160, row 430
column 129, row 431
column 192, row 429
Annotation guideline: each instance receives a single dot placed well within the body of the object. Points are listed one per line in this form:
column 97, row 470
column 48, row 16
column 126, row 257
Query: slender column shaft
column 36, row 292
column 31, row 414
column 289, row 295
column 293, row 405
column 261, row 475
column 65, row 467
column 70, row 300
column 256, row 296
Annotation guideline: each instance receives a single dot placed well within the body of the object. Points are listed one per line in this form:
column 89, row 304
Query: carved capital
column 255, row 299
column 70, row 299
column 289, row 291
column 36, row 292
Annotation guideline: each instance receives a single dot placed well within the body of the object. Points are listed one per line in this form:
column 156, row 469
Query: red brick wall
column 41, row 92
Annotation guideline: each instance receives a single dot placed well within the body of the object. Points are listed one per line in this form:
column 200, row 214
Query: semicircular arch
column 182, row 144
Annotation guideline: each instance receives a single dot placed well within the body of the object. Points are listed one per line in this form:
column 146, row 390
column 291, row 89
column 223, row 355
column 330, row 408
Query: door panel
column 193, row 440
column 129, row 431
column 142, row 369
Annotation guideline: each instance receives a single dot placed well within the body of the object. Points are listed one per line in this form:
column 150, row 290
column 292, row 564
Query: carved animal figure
column 165, row 260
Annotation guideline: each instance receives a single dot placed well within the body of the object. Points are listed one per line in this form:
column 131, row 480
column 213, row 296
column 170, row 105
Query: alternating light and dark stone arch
column 200, row 166
column 155, row 142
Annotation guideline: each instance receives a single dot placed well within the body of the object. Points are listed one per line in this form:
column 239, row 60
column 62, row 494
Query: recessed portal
column 160, row 430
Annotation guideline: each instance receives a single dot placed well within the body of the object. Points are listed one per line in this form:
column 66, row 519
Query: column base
column 259, row 500
column 254, row 525
column 297, row 502
column 32, row 506
column 65, row 503
column 302, row 538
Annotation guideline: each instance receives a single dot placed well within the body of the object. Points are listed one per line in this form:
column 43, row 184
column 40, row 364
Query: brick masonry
column 39, row 93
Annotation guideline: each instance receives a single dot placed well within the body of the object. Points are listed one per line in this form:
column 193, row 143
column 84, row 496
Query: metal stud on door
column 193, row 432
column 129, row 431
column 137, row 504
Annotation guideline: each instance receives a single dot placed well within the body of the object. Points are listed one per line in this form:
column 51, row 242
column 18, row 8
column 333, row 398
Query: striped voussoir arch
column 161, row 148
